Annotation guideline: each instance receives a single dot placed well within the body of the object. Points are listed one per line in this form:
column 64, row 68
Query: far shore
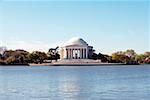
column 68, row 64
column 78, row 64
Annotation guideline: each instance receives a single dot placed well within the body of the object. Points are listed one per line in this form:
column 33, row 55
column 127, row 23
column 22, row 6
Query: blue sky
column 108, row 26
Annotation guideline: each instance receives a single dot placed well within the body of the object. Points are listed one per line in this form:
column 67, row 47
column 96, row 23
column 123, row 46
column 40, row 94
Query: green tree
column 37, row 57
column 116, row 57
column 120, row 57
column 131, row 54
column 140, row 58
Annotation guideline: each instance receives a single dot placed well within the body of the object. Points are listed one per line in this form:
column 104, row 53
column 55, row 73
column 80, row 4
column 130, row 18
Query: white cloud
column 30, row 46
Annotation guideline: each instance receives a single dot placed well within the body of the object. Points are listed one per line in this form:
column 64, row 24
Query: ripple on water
column 75, row 83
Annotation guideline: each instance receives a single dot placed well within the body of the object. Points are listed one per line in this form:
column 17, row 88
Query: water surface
column 75, row 83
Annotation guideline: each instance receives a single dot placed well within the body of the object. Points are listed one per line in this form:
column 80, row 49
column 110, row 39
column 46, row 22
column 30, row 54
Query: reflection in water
column 69, row 90
column 68, row 87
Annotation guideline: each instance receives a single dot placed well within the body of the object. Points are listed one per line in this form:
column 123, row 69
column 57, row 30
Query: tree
column 37, row 57
column 104, row 57
column 116, row 57
column 131, row 54
column 120, row 57
column 53, row 54
column 147, row 57
column 94, row 56
column 10, row 60
column 127, row 57
column 147, row 54
column 19, row 56
column 140, row 58
column 8, row 53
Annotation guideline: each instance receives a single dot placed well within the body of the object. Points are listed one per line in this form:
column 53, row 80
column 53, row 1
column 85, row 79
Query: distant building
column 2, row 49
column 75, row 48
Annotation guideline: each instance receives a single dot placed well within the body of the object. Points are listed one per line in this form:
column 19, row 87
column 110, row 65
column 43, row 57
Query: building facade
column 75, row 48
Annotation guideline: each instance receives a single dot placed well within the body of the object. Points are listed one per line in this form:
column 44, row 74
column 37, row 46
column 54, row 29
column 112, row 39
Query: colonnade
column 76, row 53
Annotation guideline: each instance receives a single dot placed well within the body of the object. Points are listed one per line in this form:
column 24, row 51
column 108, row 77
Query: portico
column 76, row 53
column 75, row 48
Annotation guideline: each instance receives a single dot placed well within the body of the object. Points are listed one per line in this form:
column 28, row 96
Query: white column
column 87, row 53
column 66, row 53
column 80, row 53
column 72, row 53
column 69, row 53
column 77, row 53
column 83, row 54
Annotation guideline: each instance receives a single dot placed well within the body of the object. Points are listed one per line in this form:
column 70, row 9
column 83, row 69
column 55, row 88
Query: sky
column 107, row 25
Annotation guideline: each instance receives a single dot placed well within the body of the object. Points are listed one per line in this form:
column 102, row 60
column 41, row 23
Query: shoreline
column 69, row 64
column 15, row 64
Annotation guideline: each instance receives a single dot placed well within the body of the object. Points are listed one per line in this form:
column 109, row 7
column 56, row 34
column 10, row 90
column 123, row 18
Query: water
column 75, row 83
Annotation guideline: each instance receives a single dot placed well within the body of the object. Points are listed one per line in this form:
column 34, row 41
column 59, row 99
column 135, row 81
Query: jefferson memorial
column 75, row 48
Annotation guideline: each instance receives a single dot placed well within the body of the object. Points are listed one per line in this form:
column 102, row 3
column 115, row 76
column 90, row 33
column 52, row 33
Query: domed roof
column 76, row 41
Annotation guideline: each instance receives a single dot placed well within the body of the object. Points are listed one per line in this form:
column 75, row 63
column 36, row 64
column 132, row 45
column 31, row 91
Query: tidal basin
column 121, row 82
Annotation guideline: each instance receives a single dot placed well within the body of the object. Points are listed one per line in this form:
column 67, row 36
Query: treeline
column 127, row 57
column 13, row 57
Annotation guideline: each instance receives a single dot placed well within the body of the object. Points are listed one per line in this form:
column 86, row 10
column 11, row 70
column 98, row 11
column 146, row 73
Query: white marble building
column 75, row 48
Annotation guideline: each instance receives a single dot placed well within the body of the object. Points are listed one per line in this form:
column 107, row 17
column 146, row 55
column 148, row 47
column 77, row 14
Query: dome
column 76, row 41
